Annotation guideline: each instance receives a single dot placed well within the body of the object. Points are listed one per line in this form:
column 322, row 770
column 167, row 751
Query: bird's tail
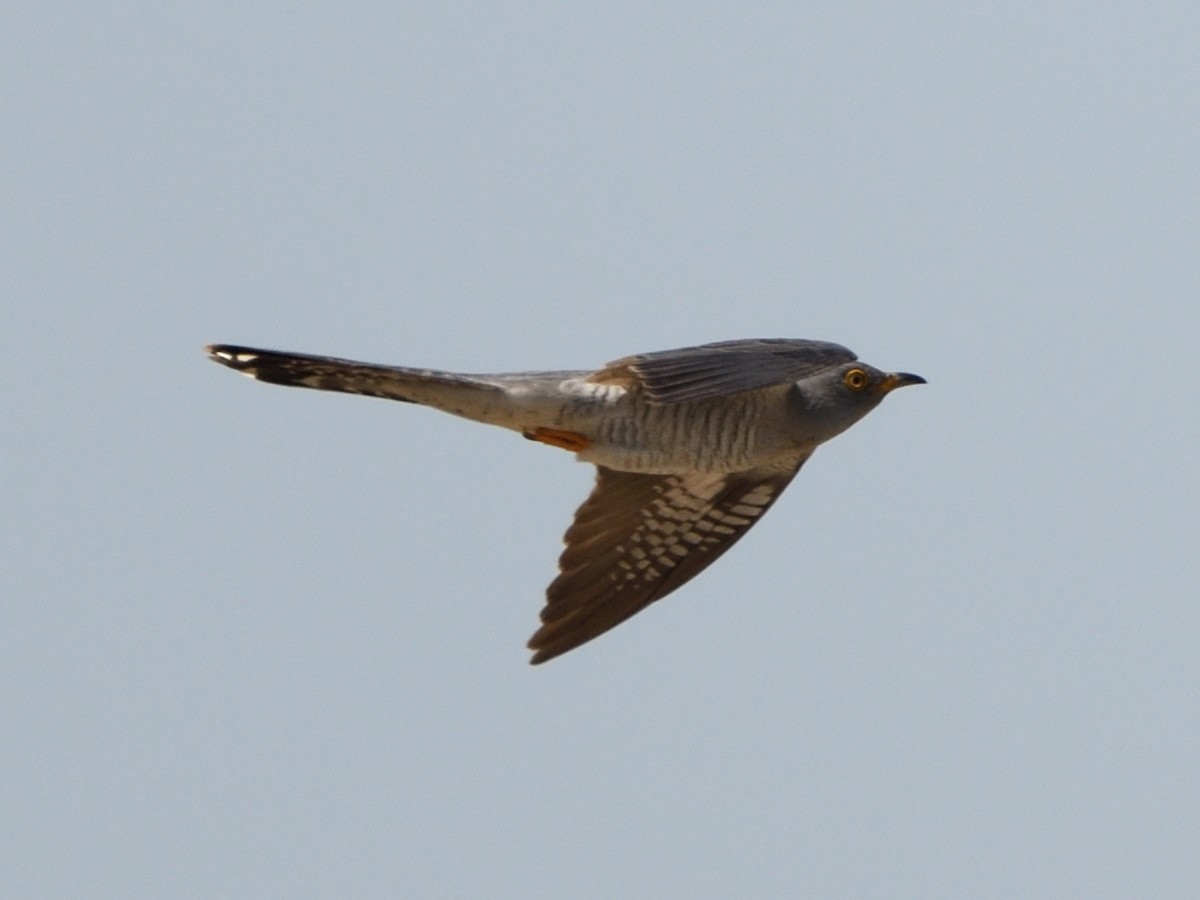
column 463, row 395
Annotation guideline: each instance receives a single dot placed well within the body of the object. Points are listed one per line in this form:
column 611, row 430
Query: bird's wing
column 713, row 370
column 638, row 537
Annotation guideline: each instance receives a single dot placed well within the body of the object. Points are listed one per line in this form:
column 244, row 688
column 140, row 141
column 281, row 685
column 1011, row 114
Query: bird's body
column 691, row 447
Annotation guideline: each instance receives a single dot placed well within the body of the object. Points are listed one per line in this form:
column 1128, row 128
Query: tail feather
column 347, row 376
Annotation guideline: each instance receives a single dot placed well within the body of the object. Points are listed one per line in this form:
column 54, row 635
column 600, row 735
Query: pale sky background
column 258, row 642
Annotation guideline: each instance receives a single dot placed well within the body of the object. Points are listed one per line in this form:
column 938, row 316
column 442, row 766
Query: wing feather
column 714, row 370
column 639, row 537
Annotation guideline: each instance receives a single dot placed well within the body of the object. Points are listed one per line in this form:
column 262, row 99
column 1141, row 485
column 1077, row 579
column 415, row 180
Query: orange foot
column 567, row 440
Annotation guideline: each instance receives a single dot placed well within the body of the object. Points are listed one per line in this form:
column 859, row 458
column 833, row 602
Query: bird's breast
column 724, row 434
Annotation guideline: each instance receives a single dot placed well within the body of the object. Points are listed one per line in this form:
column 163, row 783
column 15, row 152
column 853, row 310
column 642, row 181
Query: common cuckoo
column 691, row 447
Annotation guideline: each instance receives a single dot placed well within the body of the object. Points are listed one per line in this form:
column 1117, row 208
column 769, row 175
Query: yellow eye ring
column 856, row 380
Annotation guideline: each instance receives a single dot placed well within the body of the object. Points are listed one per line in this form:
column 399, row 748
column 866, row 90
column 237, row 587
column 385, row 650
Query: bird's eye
column 856, row 380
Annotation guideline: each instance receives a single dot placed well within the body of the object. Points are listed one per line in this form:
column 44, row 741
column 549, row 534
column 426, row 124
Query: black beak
column 900, row 379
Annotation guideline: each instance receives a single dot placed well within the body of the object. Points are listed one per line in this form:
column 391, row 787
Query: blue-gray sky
column 262, row 642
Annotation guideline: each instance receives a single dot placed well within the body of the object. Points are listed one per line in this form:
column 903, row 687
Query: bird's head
column 832, row 400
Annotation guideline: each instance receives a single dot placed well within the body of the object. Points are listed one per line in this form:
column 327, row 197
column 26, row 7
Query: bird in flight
column 691, row 447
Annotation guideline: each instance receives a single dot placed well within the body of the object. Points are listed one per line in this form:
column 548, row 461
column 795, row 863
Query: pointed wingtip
column 542, row 653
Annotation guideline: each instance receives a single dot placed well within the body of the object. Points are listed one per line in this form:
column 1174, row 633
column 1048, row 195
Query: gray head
column 833, row 399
